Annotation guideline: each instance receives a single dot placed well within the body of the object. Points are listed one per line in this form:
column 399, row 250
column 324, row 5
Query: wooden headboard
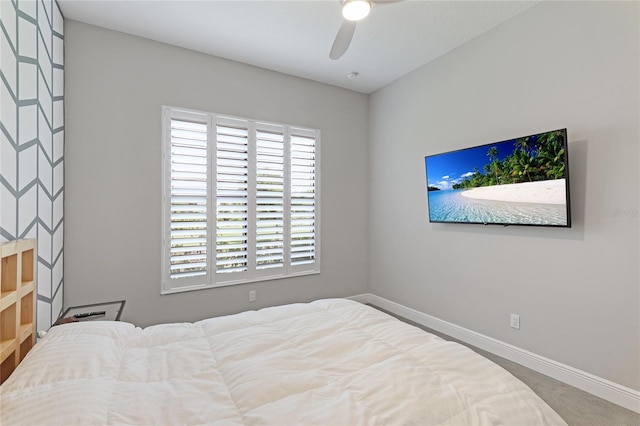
column 17, row 303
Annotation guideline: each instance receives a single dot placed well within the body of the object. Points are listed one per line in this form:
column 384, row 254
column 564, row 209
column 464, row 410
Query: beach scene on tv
column 519, row 181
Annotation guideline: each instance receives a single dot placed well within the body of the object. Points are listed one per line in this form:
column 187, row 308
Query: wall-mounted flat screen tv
column 522, row 181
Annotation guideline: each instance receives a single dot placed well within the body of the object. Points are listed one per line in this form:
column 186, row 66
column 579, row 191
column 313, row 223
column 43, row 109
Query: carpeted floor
column 576, row 407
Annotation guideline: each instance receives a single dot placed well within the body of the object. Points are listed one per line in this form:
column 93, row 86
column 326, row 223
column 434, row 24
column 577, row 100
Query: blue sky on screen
column 445, row 170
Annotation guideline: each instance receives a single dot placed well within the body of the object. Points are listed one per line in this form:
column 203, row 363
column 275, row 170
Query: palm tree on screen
column 495, row 164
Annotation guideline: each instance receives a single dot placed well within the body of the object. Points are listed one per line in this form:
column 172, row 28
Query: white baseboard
column 602, row 388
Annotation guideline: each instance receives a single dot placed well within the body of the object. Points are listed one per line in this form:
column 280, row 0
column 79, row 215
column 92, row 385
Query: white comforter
column 330, row 362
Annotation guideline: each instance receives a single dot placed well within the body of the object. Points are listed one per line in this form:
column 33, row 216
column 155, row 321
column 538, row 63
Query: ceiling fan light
column 355, row 10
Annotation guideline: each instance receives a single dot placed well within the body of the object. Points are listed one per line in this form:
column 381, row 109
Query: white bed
column 329, row 362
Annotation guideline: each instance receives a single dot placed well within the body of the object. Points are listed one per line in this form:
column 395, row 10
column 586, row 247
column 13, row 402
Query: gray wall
column 115, row 87
column 560, row 64
column 32, row 140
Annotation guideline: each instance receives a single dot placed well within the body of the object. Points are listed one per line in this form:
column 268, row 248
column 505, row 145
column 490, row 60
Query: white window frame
column 211, row 278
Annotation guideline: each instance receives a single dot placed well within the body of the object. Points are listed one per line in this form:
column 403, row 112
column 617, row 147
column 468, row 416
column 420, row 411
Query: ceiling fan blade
column 343, row 39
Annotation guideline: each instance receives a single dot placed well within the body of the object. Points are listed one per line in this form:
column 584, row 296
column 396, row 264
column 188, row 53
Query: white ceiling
column 295, row 36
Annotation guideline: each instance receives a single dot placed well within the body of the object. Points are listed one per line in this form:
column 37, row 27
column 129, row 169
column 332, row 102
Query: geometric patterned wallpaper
column 32, row 140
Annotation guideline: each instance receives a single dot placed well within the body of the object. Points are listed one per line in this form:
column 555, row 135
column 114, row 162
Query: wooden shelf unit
column 17, row 303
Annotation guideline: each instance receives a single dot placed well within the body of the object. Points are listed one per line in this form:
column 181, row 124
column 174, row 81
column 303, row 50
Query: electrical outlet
column 515, row 321
column 252, row 295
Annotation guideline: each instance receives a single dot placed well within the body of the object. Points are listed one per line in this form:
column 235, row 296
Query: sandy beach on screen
column 543, row 192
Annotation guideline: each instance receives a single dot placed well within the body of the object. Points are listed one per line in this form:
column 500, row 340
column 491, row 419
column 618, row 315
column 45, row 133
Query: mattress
column 329, row 362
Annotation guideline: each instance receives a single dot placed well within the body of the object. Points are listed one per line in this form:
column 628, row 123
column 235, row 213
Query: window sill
column 232, row 283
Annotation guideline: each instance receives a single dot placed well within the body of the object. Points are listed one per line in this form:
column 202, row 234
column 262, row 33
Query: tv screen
column 522, row 181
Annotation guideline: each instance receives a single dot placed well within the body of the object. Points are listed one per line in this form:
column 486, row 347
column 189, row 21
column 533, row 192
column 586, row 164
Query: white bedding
column 330, row 362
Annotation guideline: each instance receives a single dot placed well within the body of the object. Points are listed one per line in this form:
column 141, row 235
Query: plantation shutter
column 188, row 198
column 303, row 198
column 232, row 196
column 270, row 192
column 241, row 199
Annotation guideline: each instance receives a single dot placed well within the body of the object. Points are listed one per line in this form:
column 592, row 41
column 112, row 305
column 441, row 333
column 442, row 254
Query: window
column 241, row 200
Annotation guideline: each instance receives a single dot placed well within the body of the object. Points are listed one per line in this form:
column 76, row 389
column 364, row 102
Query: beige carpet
column 576, row 407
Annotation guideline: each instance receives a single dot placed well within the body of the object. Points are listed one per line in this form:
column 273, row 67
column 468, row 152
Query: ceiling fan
column 352, row 11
